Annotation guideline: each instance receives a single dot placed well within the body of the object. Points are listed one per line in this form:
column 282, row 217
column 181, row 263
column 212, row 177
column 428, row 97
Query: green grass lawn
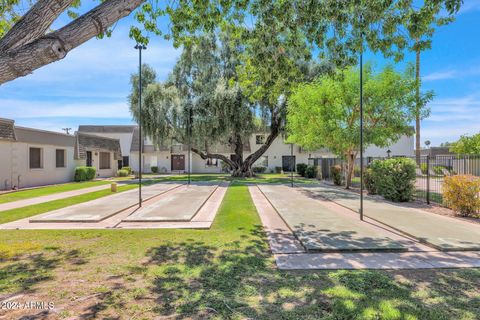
column 226, row 272
column 259, row 178
column 47, row 190
column 29, row 211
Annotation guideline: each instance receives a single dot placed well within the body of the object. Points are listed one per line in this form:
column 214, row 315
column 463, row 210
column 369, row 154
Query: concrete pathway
column 180, row 206
column 441, row 232
column 50, row 197
column 383, row 260
column 289, row 254
column 102, row 208
column 202, row 220
column 321, row 229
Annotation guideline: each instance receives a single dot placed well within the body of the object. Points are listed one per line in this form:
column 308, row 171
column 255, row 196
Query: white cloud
column 470, row 5
column 18, row 109
column 442, row 75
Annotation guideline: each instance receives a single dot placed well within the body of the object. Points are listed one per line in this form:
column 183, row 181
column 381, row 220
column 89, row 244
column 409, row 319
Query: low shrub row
column 154, row 169
column 128, row 169
column 306, row 171
column 259, row 169
column 337, row 175
column 84, row 173
column 122, row 173
column 301, row 169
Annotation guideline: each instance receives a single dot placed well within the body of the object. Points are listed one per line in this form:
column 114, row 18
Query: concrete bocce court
column 166, row 205
column 309, row 226
column 317, row 227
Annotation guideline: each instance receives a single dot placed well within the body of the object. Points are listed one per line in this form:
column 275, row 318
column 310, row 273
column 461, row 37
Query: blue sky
column 91, row 85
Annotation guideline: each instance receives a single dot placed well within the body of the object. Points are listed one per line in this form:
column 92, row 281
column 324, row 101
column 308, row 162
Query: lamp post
column 140, row 47
column 361, row 121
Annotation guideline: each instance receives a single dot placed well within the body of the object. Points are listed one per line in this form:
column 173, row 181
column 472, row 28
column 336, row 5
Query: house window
column 260, row 139
column 125, row 161
column 60, row 158
column 212, row 162
column 262, row 161
column 104, row 160
column 35, row 155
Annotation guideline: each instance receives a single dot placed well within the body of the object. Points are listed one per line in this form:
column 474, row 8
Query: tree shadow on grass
column 198, row 281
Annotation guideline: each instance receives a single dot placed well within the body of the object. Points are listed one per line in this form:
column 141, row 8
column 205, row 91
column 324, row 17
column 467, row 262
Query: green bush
column 259, row 169
column 278, row 169
column 154, row 169
column 311, row 172
column 394, row 178
column 356, row 171
column 336, row 172
column 122, row 173
column 128, row 169
column 369, row 181
column 423, row 168
column 84, row 173
column 438, row 170
column 301, row 168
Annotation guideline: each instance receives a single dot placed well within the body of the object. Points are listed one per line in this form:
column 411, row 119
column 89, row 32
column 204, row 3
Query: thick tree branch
column 55, row 46
column 33, row 24
column 206, row 155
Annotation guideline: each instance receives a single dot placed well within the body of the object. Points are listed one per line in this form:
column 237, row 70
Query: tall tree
column 326, row 113
column 420, row 25
column 203, row 96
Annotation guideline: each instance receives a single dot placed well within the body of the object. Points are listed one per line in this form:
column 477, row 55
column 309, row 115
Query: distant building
column 32, row 157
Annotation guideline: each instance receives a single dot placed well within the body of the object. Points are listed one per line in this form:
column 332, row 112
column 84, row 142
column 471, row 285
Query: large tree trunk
column 417, row 106
column 350, row 169
column 54, row 46
column 245, row 170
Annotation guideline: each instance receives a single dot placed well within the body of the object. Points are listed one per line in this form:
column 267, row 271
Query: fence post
column 428, row 179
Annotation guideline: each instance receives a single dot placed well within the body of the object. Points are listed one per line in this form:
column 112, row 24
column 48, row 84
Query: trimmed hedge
column 460, row 193
column 311, row 172
column 278, row 169
column 394, row 179
column 259, row 169
column 122, row 173
column 369, row 181
column 128, row 169
column 84, row 173
column 336, row 172
column 301, row 168
column 154, row 169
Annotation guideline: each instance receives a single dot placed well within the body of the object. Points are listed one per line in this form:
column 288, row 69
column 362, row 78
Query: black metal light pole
column 361, row 122
column 140, row 47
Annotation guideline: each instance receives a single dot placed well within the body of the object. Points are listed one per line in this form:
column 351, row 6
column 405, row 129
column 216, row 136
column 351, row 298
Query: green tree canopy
column 326, row 112
column 467, row 145
column 201, row 95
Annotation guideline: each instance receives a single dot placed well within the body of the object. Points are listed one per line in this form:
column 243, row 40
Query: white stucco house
column 175, row 158
column 33, row 157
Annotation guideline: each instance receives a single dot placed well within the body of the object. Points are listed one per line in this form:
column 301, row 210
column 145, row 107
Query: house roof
column 7, row 130
column 86, row 142
column 107, row 128
column 37, row 136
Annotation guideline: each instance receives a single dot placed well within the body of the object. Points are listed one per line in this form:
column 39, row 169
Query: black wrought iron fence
column 430, row 172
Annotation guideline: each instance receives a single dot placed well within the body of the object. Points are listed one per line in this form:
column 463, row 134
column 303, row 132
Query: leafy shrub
column 128, row 169
column 460, row 193
column 369, row 181
column 259, row 169
column 154, row 169
column 394, row 178
column 301, row 168
column 278, row 169
column 438, row 170
column 311, row 172
column 84, row 173
column 336, row 172
column 423, row 168
column 122, row 173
